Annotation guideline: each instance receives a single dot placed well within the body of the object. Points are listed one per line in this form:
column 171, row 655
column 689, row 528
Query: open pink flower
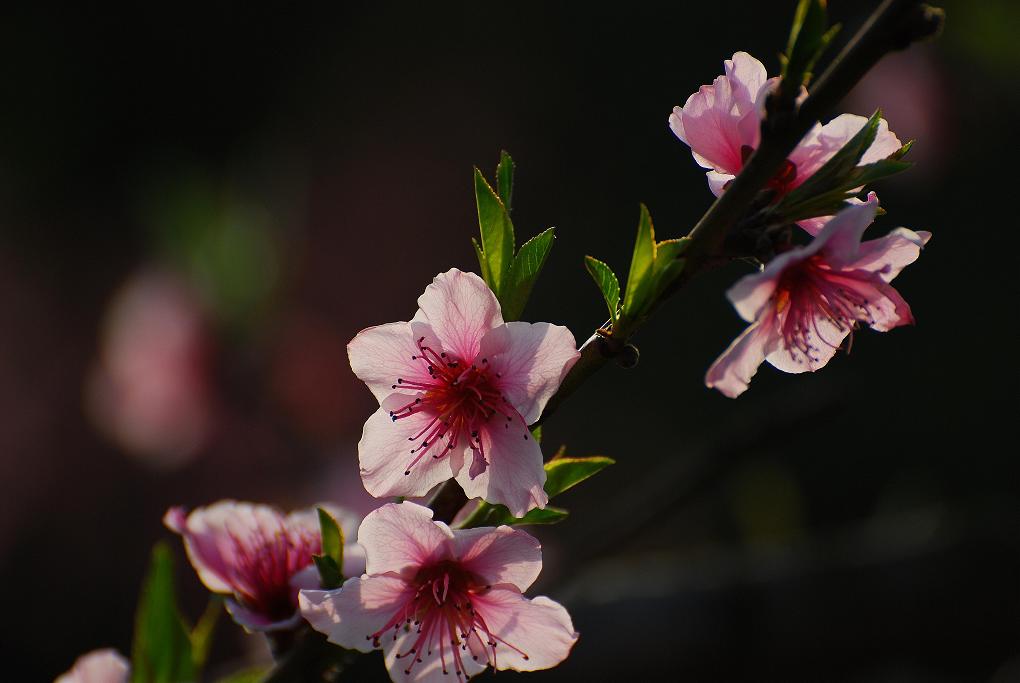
column 259, row 556
column 456, row 383
column 443, row 605
column 808, row 299
column 98, row 666
column 721, row 123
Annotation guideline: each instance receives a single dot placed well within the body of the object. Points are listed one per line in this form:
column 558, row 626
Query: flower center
column 265, row 565
column 442, row 613
column 458, row 396
column 810, row 292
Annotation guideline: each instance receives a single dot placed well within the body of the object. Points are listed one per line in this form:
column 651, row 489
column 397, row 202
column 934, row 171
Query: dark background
column 273, row 180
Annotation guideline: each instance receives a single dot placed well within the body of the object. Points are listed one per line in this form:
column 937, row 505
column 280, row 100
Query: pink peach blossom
column 807, row 300
column 98, row 666
column 457, row 388
column 259, row 556
column 439, row 601
column 721, row 123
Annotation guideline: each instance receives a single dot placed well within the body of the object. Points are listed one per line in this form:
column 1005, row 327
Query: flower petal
column 731, row 372
column 530, row 361
column 461, row 308
column 400, row 537
column 385, row 454
column 380, row 355
column 717, row 181
column 885, row 307
column 350, row 615
column 825, row 338
column 211, row 537
column 500, row 555
column 840, row 238
column 431, row 668
column 98, row 666
column 515, row 474
column 530, row 634
column 822, row 143
column 255, row 622
column 888, row 255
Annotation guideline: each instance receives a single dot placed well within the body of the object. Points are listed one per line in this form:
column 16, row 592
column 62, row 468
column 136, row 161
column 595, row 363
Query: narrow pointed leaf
column 607, row 283
column 330, row 576
column 483, row 265
column 565, row 473
column 809, row 36
column 247, row 676
column 505, row 179
column 497, row 233
column 202, row 634
column 536, row 433
column 524, row 272
column 641, row 263
column 332, row 537
column 161, row 652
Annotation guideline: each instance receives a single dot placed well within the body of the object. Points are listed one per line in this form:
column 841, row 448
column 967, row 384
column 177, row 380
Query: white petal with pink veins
column 461, row 308
column 500, row 555
column 531, row 360
column 530, row 634
column 515, row 474
column 402, row 536
column 380, row 355
column 350, row 615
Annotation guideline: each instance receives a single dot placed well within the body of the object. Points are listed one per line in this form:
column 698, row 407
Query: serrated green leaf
column 483, row 265
column 607, row 283
column 505, row 179
column 565, row 473
column 487, row 514
column 525, row 270
column 641, row 263
column 161, row 652
column 497, row 233
column 202, row 634
column 330, row 576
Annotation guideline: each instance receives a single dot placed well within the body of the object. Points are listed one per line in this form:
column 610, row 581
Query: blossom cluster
column 459, row 389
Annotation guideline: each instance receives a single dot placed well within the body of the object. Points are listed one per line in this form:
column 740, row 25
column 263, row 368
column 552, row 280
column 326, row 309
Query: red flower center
column 266, row 563
column 458, row 396
column 442, row 613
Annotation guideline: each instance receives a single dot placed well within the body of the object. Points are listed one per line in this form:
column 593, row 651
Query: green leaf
column 483, row 265
column 565, row 473
column 562, row 473
column 810, row 35
column 202, row 634
column 607, row 283
column 505, row 178
column 330, row 576
column 161, row 652
column 497, row 234
column 330, row 562
column 641, row 263
column 332, row 537
column 525, row 270
column 536, row 433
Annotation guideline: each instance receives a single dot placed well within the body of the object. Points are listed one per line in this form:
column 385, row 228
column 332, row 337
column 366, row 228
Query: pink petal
column 98, row 666
column 531, row 634
column 500, row 555
column 825, row 338
column 888, row 255
column 823, row 142
column 400, row 537
column 515, row 474
column 351, row 614
column 209, row 537
column 385, row 454
column 461, row 308
column 530, row 360
column 717, row 181
column 886, row 308
column 719, row 119
column 813, row 226
column 731, row 373
column 840, row 239
column 382, row 354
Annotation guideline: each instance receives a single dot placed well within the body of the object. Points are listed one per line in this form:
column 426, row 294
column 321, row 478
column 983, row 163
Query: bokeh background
column 200, row 206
